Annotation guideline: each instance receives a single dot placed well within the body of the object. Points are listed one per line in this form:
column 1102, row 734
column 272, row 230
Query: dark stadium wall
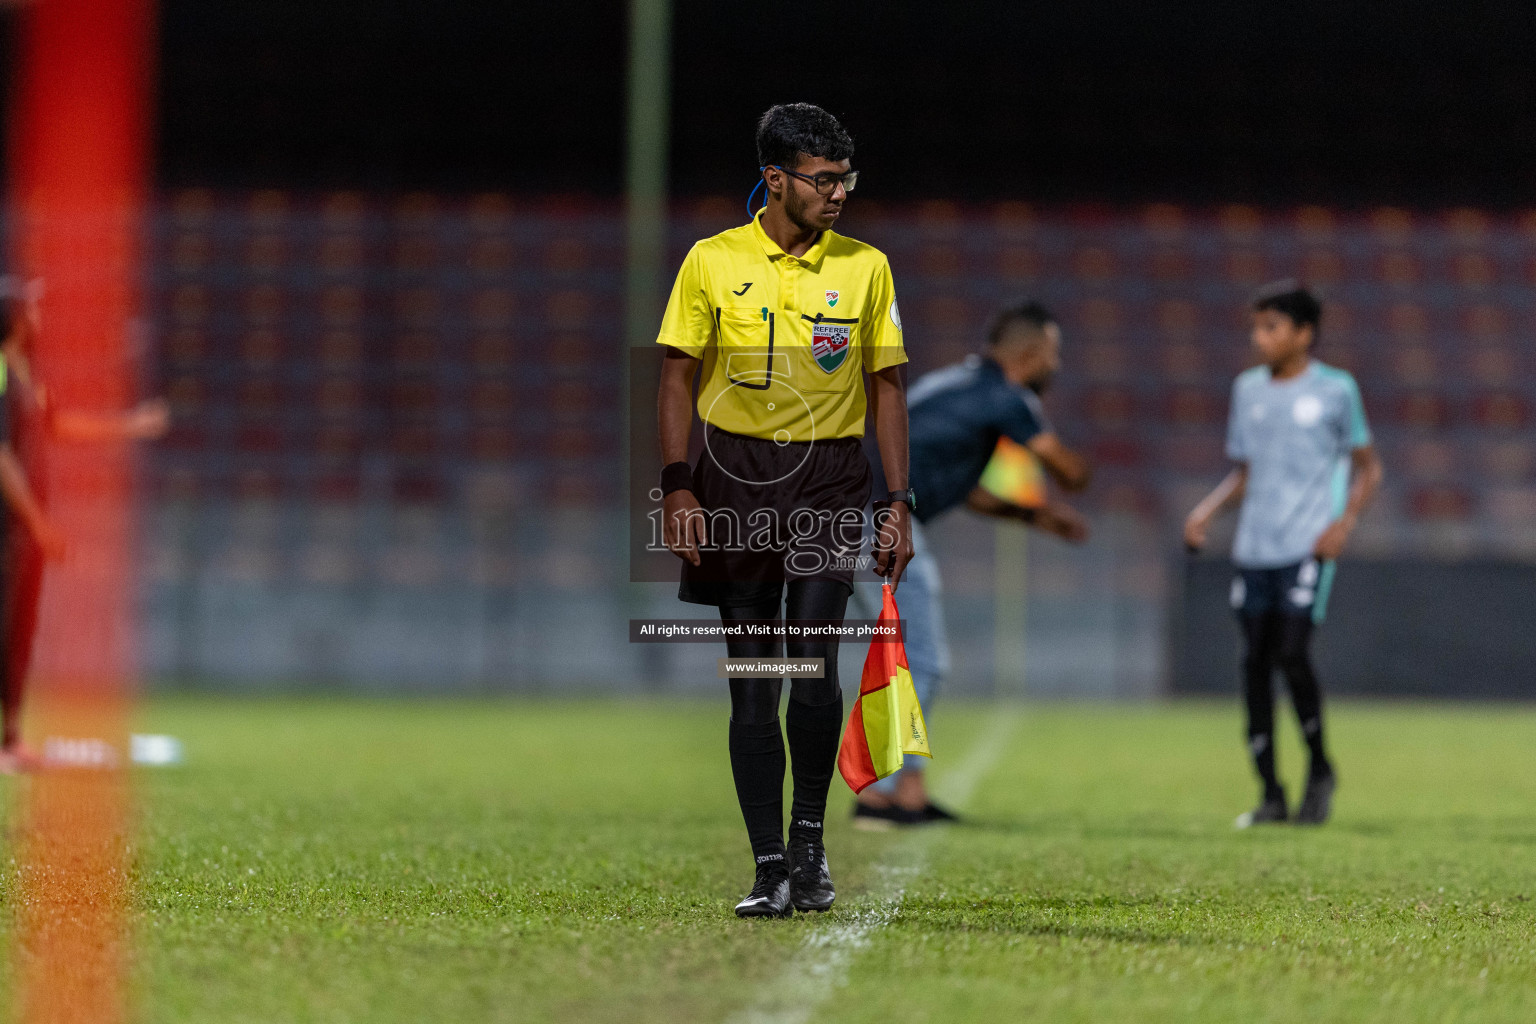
column 1398, row 627
column 1307, row 101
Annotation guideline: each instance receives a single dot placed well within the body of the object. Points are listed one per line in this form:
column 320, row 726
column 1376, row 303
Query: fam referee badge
column 831, row 296
column 829, row 344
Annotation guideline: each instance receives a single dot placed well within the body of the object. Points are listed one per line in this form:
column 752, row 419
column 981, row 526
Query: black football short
column 774, row 513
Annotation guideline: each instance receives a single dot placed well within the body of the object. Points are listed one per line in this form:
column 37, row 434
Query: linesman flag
column 887, row 722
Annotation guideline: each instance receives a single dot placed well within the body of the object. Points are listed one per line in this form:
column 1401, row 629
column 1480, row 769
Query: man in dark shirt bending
column 957, row 414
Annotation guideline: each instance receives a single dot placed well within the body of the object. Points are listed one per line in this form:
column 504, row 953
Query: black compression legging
column 756, row 701
column 1283, row 642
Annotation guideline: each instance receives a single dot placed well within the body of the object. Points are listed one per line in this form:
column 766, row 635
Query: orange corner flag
column 887, row 722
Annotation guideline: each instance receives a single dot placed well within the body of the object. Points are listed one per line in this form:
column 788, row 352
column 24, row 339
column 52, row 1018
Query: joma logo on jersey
column 829, row 344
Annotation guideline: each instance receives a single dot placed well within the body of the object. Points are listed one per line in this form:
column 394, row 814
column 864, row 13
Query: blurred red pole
column 78, row 153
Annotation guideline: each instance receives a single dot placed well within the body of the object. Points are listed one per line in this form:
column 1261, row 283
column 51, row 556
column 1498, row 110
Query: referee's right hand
column 683, row 525
column 893, row 541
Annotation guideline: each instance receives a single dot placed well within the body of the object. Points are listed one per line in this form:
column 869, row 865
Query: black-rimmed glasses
column 825, row 183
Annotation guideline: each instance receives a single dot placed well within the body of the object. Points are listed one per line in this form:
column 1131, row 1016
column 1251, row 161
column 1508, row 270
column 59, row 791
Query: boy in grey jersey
column 1305, row 471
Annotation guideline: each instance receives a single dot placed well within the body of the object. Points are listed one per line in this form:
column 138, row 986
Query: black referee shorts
column 774, row 513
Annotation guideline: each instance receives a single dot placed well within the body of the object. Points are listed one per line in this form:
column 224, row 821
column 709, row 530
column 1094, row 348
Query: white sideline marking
column 823, row 961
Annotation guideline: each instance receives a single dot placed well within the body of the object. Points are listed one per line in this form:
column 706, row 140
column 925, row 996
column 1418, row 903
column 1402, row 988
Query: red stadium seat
column 192, row 209
column 191, row 253
column 490, row 213
column 1246, row 267
column 337, row 442
column 942, row 262
column 1467, row 226
column 1193, row 453
column 567, row 255
column 267, row 254
column 1414, row 365
column 418, row 253
column 1426, row 459
column 1508, row 461
column 1400, row 270
column 1195, row 407
column 1408, row 322
column 1485, row 322
column 1501, row 410
column 343, row 212
column 261, row 349
column 342, row 306
column 1473, row 271
column 340, row 350
column 1424, row 410
column 1316, row 225
column 1165, row 222
column 1104, row 361
column 186, row 346
column 191, row 304
column 1108, row 408
column 1178, row 320
column 1170, row 266
column 341, row 254
column 1323, row 267
column 492, row 255
column 1095, row 265
column 1183, row 361
column 268, row 210
column 1240, row 224
column 1440, row 502
column 1494, row 365
column 1020, row 263
column 261, row 439
column 492, row 444
column 1391, row 225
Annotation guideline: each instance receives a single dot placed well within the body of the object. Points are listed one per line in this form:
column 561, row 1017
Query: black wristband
column 677, row 476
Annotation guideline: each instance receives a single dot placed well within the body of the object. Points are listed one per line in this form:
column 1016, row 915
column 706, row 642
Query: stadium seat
column 1169, row 266
column 1501, row 411
column 1421, row 409
column 1323, row 268
column 1109, row 407
column 1414, row 365
column 1095, row 265
column 1508, row 461
column 1399, row 270
column 1246, row 267
column 1494, row 365
column 1440, row 502
column 1195, row 407
column 191, row 253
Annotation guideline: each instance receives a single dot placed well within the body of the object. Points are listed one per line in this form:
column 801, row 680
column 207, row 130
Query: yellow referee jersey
column 785, row 339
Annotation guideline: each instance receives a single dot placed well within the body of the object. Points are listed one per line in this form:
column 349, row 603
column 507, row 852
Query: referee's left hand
column 894, row 547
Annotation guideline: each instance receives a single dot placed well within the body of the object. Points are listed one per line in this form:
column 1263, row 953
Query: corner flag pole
column 645, row 210
column 1009, row 609
column 78, row 161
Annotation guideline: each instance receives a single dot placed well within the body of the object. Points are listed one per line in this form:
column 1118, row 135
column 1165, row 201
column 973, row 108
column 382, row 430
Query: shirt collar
column 771, row 248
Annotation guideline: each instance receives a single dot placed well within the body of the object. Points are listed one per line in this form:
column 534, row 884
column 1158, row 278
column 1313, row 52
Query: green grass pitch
column 381, row 861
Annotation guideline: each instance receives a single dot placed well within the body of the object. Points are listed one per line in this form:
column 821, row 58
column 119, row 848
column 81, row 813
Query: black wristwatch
column 907, row 497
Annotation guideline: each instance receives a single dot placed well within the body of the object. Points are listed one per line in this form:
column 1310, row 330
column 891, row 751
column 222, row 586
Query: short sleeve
column 689, row 322
column 1357, row 432
column 1236, row 450
column 1023, row 417
column 881, row 327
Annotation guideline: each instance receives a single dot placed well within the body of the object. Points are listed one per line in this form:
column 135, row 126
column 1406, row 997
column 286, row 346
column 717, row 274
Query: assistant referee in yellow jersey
column 785, row 318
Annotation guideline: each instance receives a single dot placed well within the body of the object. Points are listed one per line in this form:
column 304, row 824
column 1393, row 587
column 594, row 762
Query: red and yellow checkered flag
column 887, row 722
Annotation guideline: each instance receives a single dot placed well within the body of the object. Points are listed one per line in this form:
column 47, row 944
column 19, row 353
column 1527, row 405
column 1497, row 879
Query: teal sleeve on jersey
column 1359, row 429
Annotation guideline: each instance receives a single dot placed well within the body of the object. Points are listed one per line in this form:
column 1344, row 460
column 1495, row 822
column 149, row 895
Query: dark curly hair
column 790, row 129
